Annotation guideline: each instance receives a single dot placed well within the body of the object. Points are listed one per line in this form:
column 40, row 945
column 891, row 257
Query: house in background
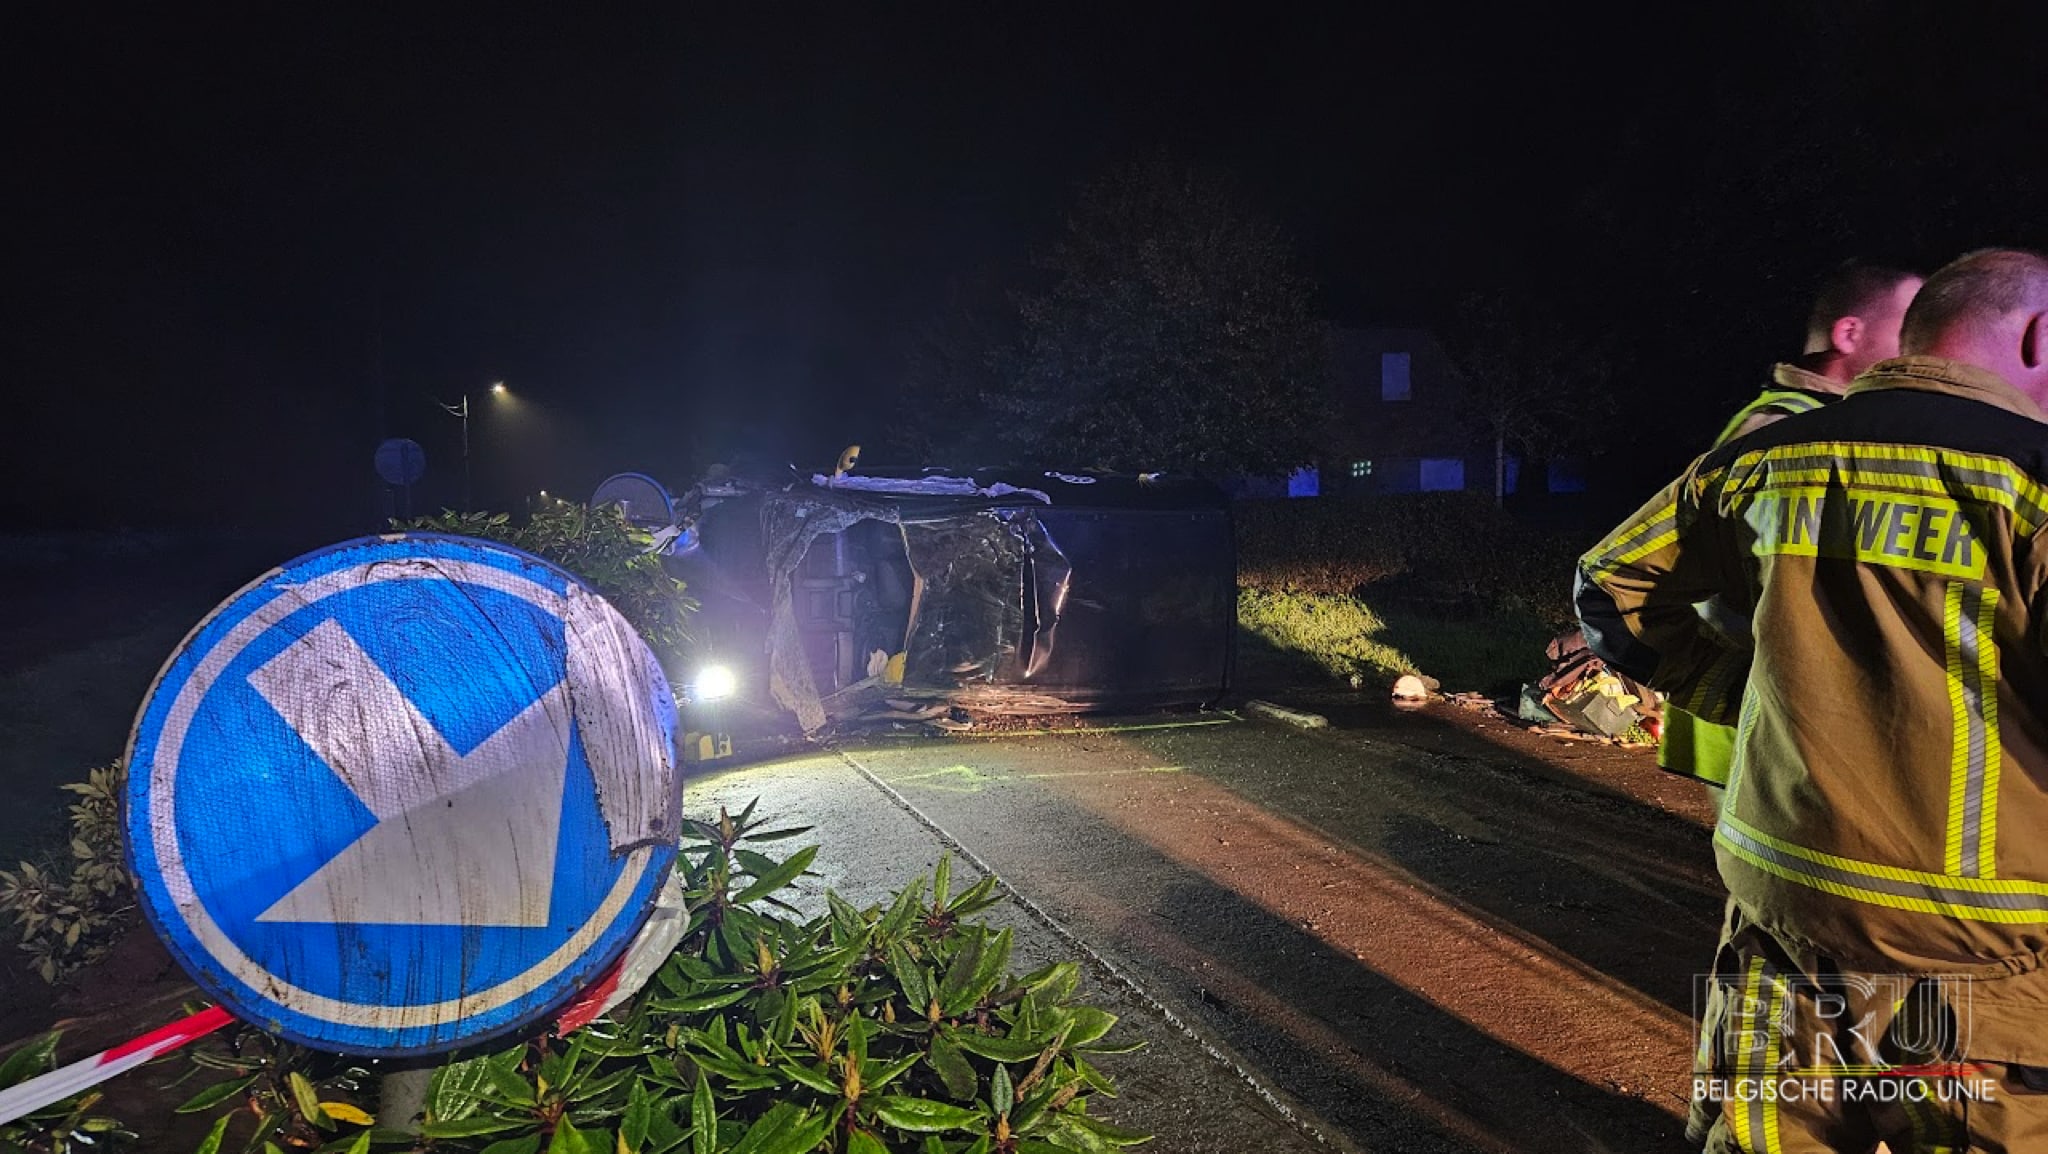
column 1396, row 421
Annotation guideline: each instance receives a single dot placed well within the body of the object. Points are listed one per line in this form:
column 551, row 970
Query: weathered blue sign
column 404, row 794
column 401, row 461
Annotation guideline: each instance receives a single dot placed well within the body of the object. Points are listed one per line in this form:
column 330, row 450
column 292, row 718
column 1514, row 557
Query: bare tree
column 1531, row 387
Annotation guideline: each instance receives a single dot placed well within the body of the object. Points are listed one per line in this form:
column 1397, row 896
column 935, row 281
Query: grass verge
column 1345, row 637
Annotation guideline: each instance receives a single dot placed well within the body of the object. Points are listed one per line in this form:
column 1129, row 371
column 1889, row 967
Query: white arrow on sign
column 461, row 839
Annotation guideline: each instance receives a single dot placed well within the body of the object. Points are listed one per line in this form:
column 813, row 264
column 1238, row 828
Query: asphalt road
column 1410, row 940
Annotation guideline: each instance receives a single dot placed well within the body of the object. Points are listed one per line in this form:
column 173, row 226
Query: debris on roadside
column 1295, row 717
column 1477, row 702
column 1410, row 692
column 1581, row 699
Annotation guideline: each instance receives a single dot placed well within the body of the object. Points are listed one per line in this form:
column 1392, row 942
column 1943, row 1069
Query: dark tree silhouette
column 1171, row 332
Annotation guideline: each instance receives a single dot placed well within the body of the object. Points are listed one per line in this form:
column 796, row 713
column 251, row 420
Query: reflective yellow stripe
column 1635, row 542
column 1757, row 1042
column 1787, row 402
column 1994, row 752
column 1930, row 532
column 1959, row 727
column 1966, row 898
column 1742, row 1116
column 1968, row 616
column 1992, row 480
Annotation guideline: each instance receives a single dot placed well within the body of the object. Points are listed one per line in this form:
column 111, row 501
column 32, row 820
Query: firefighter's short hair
column 1850, row 291
column 1974, row 289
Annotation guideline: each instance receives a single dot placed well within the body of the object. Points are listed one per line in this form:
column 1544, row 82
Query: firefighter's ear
column 2034, row 341
column 1845, row 334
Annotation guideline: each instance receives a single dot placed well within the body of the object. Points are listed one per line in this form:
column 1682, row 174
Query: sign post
column 404, row 795
column 401, row 462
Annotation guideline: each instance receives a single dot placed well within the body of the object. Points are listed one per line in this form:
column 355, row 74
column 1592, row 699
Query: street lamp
column 462, row 411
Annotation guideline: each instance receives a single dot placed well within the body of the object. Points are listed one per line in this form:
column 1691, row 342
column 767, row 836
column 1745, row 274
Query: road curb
column 1291, row 1111
column 1280, row 713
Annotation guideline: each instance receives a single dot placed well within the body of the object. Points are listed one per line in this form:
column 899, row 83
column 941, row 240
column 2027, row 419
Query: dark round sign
column 401, row 461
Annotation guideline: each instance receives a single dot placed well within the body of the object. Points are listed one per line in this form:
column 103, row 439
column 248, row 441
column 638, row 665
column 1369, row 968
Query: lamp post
column 462, row 411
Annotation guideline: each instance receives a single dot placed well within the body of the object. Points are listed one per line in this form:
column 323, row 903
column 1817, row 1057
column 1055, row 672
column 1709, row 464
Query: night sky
column 242, row 246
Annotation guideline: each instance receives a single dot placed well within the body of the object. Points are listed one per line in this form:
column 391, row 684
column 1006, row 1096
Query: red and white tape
column 78, row 1077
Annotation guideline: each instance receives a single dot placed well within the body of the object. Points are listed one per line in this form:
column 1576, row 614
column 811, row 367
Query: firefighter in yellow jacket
column 1853, row 325
column 1884, row 838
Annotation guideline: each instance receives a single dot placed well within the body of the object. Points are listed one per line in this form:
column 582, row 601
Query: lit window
column 1442, row 474
column 1394, row 377
column 1361, row 469
column 1304, row 482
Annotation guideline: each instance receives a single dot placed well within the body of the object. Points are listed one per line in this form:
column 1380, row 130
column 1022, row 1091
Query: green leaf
column 471, row 1127
column 1119, row 1048
column 1074, row 1124
column 739, row 823
column 888, row 1072
column 700, row 1003
column 942, row 883
column 777, row 878
column 862, row 1142
column 214, row 1095
column 568, row 1140
column 778, row 834
column 271, row 1122
column 816, row 1079
column 591, row 1088
column 959, row 973
column 509, row 1086
column 456, row 1089
column 1001, row 1094
column 955, row 1072
column 307, row 1100
column 35, row 1058
column 664, row 1134
column 802, row 1136
column 769, row 1128
column 924, row 1116
column 995, row 961
column 1088, row 1024
column 757, row 864
column 975, row 898
column 911, row 978
column 638, row 1118
column 974, row 973
column 211, row 1143
column 1031, row 1111
column 527, row 1145
column 905, row 908
column 785, row 1022
column 1054, row 983
column 998, row 1049
column 703, row 1118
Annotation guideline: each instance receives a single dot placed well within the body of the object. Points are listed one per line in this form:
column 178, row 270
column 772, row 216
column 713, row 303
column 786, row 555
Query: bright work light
column 714, row 682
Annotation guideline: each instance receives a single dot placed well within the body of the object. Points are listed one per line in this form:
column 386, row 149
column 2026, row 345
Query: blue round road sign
column 404, row 794
column 401, row 461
